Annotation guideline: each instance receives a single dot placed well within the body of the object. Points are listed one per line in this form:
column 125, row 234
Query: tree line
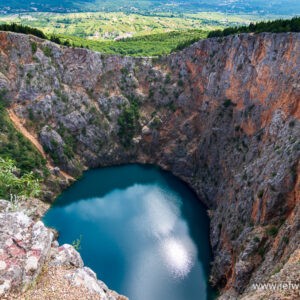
column 291, row 25
column 157, row 44
column 23, row 29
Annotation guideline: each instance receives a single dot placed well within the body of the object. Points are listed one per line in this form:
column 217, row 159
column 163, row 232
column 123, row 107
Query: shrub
column 228, row 103
column 55, row 39
column 124, row 71
column 171, row 106
column 292, row 123
column 30, row 114
column 256, row 239
column 47, row 51
column 168, row 79
column 260, row 194
column 272, row 231
column 68, row 151
column 4, row 102
column 180, row 82
column 285, row 239
column 77, row 243
column 128, row 123
column 10, row 184
column 33, row 47
column 262, row 251
column 151, row 93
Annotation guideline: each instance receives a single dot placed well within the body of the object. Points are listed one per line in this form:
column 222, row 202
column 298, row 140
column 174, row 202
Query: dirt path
column 18, row 123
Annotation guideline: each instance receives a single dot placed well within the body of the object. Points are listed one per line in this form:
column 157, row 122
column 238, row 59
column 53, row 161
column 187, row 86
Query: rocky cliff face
column 34, row 266
column 223, row 115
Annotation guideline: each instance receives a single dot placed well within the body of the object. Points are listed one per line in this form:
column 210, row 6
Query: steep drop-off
column 223, row 115
column 34, row 266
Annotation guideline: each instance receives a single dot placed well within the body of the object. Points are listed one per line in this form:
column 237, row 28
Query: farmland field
column 109, row 26
column 130, row 33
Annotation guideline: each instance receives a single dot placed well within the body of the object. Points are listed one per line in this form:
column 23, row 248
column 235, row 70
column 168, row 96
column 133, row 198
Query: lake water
column 143, row 231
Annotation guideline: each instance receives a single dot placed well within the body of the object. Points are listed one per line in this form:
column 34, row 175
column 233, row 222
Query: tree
column 12, row 185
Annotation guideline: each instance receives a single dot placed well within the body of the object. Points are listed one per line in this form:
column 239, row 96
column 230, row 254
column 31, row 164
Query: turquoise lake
column 143, row 231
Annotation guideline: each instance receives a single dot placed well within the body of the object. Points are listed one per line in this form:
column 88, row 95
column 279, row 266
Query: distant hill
column 156, row 44
column 261, row 7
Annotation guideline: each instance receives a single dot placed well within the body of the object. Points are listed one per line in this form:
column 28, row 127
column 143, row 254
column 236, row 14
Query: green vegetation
column 12, row 185
column 262, row 251
column 272, row 231
column 285, row 239
column 136, row 35
column 124, row 33
column 70, row 144
column 277, row 270
column 4, row 102
column 77, row 243
column 292, row 124
column 115, row 25
column 47, row 51
column 228, row 103
column 148, row 45
column 260, row 194
column 292, row 25
column 128, row 122
column 14, row 146
column 22, row 29
column 33, row 47
column 256, row 239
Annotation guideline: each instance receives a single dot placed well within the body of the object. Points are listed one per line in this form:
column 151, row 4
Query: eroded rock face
column 29, row 253
column 24, row 248
column 223, row 115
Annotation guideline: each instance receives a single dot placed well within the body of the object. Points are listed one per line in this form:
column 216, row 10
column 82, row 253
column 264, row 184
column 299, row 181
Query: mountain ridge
column 276, row 7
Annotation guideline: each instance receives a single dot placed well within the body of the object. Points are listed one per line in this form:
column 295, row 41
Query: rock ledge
column 34, row 266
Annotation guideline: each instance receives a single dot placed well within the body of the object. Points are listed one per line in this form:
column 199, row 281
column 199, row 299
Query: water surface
column 143, row 231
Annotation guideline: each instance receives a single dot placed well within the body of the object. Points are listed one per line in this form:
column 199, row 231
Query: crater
column 142, row 230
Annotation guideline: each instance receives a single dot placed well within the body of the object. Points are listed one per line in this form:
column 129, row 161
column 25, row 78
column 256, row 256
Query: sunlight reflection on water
column 179, row 256
column 159, row 216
